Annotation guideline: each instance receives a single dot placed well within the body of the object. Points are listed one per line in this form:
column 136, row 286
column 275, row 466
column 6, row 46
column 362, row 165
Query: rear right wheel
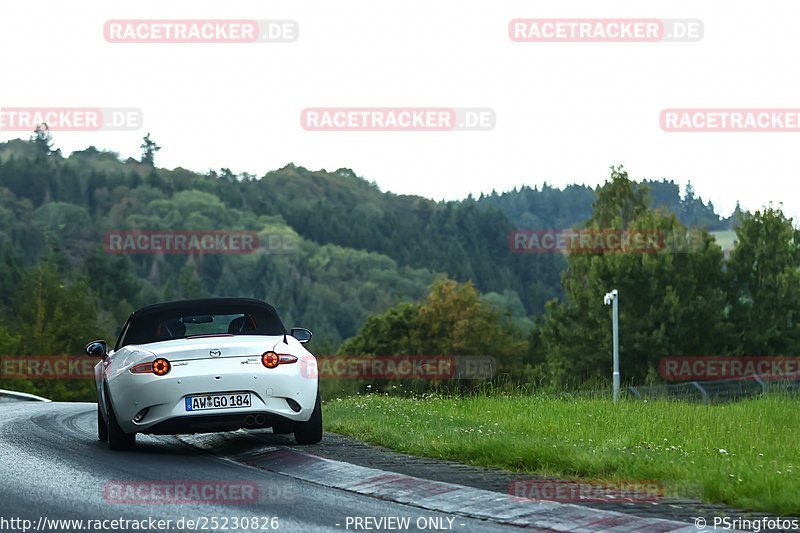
column 282, row 428
column 310, row 432
column 102, row 430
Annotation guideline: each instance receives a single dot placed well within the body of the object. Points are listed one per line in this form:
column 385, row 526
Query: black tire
column 102, row 430
column 118, row 439
column 283, row 428
column 310, row 432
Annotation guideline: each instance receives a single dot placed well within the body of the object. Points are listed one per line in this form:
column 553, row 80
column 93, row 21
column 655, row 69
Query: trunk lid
column 213, row 347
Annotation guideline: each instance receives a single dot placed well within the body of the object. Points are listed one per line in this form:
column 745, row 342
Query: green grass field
column 742, row 454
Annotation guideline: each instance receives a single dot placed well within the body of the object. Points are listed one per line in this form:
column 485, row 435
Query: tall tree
column 671, row 301
column 43, row 139
column 618, row 202
column 451, row 320
column 149, row 149
column 764, row 284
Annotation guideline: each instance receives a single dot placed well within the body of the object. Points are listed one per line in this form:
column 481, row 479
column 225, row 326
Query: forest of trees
column 362, row 252
column 692, row 304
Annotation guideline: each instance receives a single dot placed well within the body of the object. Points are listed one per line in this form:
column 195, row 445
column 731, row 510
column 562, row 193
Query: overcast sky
column 564, row 111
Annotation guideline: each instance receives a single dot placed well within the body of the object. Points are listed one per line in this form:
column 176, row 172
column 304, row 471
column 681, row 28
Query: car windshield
column 180, row 323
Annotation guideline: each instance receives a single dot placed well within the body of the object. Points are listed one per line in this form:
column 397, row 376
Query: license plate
column 217, row 401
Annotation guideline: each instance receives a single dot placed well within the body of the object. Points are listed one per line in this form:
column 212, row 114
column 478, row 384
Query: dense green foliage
column 764, row 285
column 548, row 207
column 48, row 200
column 45, row 315
column 453, row 320
column 359, row 252
column 672, row 303
column 683, row 300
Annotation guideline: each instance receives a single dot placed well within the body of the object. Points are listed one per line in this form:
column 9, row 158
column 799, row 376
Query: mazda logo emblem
column 214, row 353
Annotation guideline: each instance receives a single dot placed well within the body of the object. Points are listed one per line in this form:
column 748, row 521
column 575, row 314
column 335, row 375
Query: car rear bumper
column 213, row 423
column 282, row 393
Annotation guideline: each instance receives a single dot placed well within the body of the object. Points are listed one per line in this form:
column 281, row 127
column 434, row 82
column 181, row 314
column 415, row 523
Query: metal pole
column 615, row 307
column 613, row 299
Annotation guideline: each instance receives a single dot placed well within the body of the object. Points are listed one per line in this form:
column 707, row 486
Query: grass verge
column 742, row 454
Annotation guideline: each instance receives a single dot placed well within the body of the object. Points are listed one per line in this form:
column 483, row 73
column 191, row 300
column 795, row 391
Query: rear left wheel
column 118, row 439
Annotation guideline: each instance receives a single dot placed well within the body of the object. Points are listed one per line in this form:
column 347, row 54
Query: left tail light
column 272, row 359
column 159, row 367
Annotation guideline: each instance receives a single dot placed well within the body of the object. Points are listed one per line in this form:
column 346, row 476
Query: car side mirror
column 96, row 349
column 302, row 334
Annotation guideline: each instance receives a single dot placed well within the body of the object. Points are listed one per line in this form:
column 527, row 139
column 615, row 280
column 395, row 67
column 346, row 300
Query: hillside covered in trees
column 357, row 247
column 357, row 251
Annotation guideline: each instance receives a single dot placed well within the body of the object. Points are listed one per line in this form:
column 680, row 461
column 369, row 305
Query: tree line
column 361, row 251
column 684, row 300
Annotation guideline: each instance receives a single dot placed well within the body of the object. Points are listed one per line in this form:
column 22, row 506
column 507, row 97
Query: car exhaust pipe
column 250, row 420
column 260, row 420
column 141, row 414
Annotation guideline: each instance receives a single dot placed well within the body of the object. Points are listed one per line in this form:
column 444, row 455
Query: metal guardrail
column 716, row 391
column 13, row 396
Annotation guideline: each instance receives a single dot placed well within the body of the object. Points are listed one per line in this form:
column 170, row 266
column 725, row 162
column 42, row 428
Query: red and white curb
column 448, row 497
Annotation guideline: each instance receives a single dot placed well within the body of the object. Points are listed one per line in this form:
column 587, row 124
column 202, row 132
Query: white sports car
column 203, row 366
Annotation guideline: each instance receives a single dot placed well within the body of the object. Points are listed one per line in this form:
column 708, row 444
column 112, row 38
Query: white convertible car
column 203, row 366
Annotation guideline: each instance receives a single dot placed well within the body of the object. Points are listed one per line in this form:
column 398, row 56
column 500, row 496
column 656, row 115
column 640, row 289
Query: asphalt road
column 53, row 467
